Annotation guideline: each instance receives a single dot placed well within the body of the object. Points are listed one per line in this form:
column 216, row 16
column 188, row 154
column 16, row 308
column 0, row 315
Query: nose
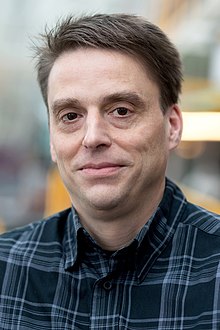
column 96, row 132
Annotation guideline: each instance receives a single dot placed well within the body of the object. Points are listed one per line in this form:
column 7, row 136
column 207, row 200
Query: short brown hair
column 125, row 33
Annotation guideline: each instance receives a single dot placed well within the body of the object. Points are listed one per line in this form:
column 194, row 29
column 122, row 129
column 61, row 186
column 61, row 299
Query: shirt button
column 107, row 285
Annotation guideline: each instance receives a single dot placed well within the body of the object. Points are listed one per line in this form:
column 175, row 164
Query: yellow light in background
column 191, row 149
column 201, row 126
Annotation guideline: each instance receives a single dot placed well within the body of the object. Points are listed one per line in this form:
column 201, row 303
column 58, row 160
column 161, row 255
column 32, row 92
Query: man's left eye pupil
column 122, row 111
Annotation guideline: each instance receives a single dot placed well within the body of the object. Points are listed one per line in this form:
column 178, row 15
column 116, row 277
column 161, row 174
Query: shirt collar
column 150, row 241
column 72, row 232
column 159, row 230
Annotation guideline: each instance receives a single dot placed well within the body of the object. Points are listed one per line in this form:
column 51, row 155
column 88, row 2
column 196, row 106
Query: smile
column 102, row 169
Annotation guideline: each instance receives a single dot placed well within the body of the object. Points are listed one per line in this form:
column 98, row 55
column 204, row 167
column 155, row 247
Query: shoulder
column 202, row 219
column 40, row 232
column 190, row 215
column 33, row 249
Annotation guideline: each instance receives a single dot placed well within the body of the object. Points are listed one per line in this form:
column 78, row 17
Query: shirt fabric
column 54, row 276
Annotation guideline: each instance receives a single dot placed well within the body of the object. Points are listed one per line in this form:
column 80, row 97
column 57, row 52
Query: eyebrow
column 124, row 96
column 130, row 97
column 62, row 103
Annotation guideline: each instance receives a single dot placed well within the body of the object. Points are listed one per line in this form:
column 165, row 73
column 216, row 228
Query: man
column 132, row 253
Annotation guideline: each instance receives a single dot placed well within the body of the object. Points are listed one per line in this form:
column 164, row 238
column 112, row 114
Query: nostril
column 97, row 139
column 97, row 146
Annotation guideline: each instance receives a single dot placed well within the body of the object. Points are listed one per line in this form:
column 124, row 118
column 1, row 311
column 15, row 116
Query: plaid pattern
column 54, row 276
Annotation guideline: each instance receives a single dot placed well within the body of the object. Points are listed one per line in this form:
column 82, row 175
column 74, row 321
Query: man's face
column 108, row 134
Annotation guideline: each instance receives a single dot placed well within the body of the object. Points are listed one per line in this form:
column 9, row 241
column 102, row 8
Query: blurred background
column 29, row 185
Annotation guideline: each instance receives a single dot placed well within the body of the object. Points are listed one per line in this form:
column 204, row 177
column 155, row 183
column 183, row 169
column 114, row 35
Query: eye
column 121, row 112
column 71, row 116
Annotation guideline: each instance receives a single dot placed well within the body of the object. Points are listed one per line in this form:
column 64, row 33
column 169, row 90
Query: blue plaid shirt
column 54, row 276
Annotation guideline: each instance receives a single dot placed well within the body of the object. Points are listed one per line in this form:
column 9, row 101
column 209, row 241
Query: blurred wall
column 24, row 147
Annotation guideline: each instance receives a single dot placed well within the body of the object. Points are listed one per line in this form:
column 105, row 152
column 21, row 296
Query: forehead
column 89, row 70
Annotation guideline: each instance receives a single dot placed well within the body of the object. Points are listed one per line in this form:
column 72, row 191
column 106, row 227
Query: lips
column 101, row 169
column 99, row 166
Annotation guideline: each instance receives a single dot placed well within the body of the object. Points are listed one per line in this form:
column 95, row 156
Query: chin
column 102, row 197
column 104, row 200
column 105, row 204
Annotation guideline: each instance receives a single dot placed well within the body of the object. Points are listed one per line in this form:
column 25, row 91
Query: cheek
column 151, row 143
column 148, row 137
column 61, row 148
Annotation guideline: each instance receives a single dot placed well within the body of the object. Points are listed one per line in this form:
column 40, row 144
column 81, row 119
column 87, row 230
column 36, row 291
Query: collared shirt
column 54, row 276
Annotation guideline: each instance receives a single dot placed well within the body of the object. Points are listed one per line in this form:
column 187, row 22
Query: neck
column 114, row 235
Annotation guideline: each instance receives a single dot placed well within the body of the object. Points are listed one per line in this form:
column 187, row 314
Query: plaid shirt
column 54, row 276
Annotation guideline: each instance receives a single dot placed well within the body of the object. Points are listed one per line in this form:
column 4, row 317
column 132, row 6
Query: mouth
column 101, row 169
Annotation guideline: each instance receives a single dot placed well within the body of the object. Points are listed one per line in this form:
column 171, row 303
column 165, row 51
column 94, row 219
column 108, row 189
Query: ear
column 175, row 126
column 53, row 152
